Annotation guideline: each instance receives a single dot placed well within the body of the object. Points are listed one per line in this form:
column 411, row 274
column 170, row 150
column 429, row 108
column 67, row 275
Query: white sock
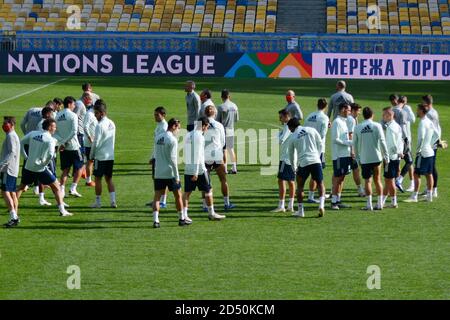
column 322, row 202
column 394, row 200
column 311, row 195
column 300, row 207
column 226, row 200
column 415, row 195
column 369, row 201
column 185, row 212
column 234, row 166
column 435, row 190
column 61, row 208
column 400, row 180
column 211, row 210
column 73, row 187
column 291, row 203
column 339, row 197
column 155, row 216
column 13, row 215
column 163, row 199
column 41, row 196
column 281, row 204
column 181, row 215
column 412, row 184
column 88, row 179
column 383, row 199
column 98, row 199
column 63, row 189
column 334, row 199
column 204, row 203
column 112, row 197
column 430, row 195
column 380, row 202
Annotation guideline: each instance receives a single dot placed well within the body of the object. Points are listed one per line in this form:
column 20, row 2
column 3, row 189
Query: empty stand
column 203, row 16
column 426, row 17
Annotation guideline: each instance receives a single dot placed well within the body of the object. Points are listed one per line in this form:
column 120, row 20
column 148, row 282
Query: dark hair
column 86, row 86
column 293, row 123
column 423, row 107
column 283, row 112
column 50, row 104
column 225, row 94
column 209, row 111
column 427, row 99
column 172, row 122
column 355, row 106
column 393, row 97
column 203, row 120
column 46, row 124
column 343, row 105
column 207, row 93
column 9, row 119
column 46, row 110
column 402, row 99
column 388, row 109
column 161, row 110
column 58, row 101
column 322, row 103
column 367, row 113
column 100, row 106
column 68, row 100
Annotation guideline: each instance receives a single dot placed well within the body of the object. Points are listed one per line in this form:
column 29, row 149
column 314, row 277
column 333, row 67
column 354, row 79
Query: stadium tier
column 202, row 16
column 427, row 17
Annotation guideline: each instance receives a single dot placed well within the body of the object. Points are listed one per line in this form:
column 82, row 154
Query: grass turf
column 254, row 254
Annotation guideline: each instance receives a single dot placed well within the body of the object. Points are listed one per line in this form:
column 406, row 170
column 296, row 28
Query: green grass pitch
column 253, row 254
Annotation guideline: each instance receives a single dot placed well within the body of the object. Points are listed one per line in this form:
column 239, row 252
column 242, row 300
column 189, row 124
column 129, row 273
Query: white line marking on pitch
column 31, row 91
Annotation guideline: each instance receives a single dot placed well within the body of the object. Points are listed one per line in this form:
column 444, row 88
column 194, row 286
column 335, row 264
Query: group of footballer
column 83, row 135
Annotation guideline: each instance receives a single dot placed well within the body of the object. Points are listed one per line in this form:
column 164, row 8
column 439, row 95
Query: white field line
column 31, row 91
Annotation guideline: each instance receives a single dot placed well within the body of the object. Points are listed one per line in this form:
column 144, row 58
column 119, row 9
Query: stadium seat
column 390, row 16
column 142, row 15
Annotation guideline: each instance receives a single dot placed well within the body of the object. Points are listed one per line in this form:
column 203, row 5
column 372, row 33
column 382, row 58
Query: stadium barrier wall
column 229, row 65
column 234, row 42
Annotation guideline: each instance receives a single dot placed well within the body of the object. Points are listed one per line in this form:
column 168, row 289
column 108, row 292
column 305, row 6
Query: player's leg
column 111, row 190
column 430, row 185
column 281, row 196
column 48, row 178
column 317, row 176
column 220, row 170
column 186, row 196
column 292, row 190
column 179, row 205
column 78, row 165
column 155, row 206
column 357, row 179
column 312, row 188
column 435, row 175
column 301, row 175
column 205, row 185
column 378, row 186
column 417, row 173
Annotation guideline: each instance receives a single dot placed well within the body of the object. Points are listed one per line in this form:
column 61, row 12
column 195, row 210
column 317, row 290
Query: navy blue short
column 392, row 171
column 87, row 152
column 285, row 172
column 103, row 168
column 45, row 177
column 52, row 166
column 367, row 169
column 354, row 164
column 212, row 166
column 8, row 183
column 322, row 159
column 424, row 166
column 81, row 142
column 71, row 158
column 203, row 183
column 162, row 184
column 315, row 170
column 342, row 166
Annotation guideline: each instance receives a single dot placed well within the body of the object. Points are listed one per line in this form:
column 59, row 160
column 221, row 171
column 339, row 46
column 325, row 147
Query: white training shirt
column 89, row 124
column 10, row 154
column 67, row 129
column 306, row 144
column 351, row 123
column 283, row 137
column 166, row 152
column 394, row 141
column 427, row 136
column 102, row 148
column 369, row 143
column 319, row 121
column 161, row 127
column 214, row 142
column 340, row 140
column 194, row 153
column 30, row 120
column 411, row 118
column 41, row 150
